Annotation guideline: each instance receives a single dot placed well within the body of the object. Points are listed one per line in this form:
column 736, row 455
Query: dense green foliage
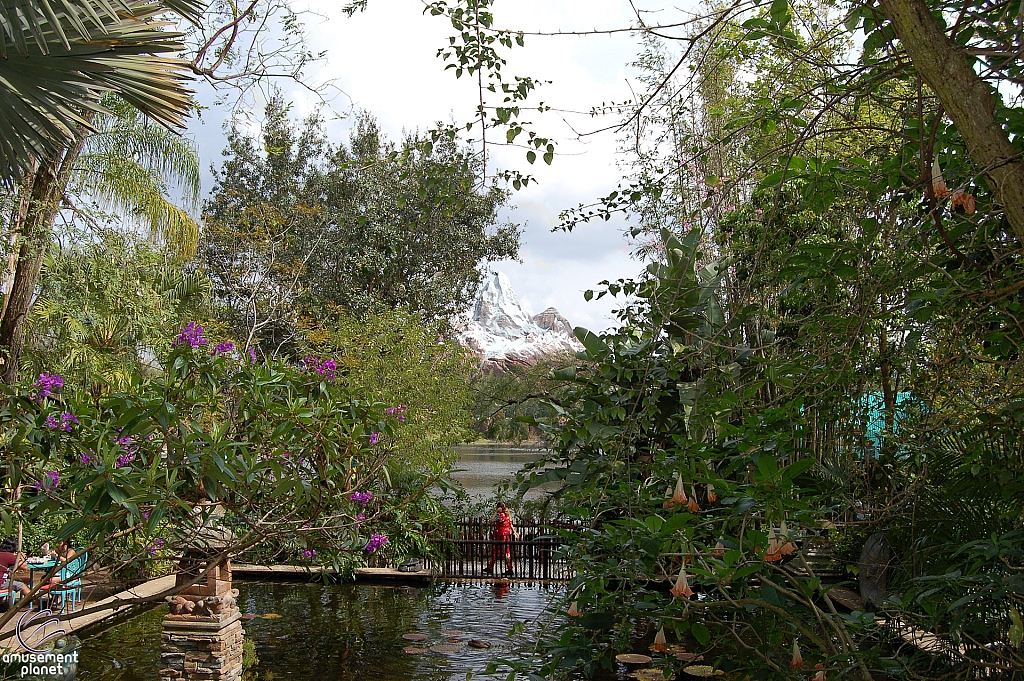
column 828, row 336
column 276, row 450
column 397, row 358
column 107, row 309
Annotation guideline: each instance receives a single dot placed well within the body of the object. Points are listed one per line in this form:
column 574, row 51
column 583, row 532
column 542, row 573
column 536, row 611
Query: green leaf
column 596, row 347
column 701, row 633
column 72, row 528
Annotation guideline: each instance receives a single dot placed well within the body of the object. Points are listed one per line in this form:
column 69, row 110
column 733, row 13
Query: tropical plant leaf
column 55, row 69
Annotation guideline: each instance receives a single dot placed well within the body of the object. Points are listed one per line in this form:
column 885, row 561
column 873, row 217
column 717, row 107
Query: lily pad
column 413, row 650
column 447, row 648
column 703, row 671
column 633, row 658
column 652, row 675
column 415, row 637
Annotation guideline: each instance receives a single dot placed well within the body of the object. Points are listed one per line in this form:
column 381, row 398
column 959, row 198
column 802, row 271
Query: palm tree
column 126, row 164
column 58, row 58
column 107, row 307
column 131, row 166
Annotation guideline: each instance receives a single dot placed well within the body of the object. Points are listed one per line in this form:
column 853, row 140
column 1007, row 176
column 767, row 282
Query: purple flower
column 49, row 481
column 124, row 440
column 325, row 368
column 361, row 516
column 145, row 515
column 361, row 497
column 374, row 438
column 48, row 384
column 151, row 550
column 68, row 421
column 398, row 412
column 307, row 554
column 86, row 458
column 52, row 422
column 159, row 541
column 377, row 540
column 124, row 459
column 252, row 355
column 192, row 334
column 223, row 348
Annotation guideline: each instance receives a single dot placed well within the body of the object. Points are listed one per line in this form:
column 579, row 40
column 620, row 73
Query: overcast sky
column 384, row 61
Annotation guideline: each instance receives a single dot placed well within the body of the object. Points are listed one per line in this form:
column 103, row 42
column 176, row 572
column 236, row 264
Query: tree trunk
column 46, row 189
column 944, row 66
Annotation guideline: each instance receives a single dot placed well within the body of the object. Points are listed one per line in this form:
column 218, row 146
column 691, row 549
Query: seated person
column 63, row 554
column 10, row 561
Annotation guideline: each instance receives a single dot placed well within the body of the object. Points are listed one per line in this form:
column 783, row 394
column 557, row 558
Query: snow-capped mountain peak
column 503, row 333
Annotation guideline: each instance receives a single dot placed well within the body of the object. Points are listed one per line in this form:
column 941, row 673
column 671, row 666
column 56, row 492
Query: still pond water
column 481, row 466
column 349, row 631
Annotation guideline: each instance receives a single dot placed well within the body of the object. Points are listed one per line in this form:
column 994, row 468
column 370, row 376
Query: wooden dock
column 72, row 622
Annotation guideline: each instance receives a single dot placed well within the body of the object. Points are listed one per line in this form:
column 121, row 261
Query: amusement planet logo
column 36, row 662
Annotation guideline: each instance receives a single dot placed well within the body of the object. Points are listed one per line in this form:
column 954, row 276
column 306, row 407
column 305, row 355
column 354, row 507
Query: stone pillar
column 202, row 635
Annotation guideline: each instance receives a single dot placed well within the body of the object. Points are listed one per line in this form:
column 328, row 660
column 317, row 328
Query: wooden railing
column 533, row 554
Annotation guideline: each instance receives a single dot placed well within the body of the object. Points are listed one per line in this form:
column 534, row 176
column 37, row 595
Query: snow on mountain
column 503, row 334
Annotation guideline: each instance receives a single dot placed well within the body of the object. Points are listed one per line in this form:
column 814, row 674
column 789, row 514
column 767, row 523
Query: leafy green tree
column 396, row 358
column 129, row 165
column 297, row 226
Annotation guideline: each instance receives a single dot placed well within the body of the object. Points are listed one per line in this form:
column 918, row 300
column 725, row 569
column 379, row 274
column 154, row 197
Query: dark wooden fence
column 533, row 554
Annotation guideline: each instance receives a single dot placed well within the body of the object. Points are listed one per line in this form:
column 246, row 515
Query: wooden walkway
column 72, row 622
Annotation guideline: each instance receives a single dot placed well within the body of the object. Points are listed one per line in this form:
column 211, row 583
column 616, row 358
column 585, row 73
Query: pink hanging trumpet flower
column 682, row 586
column 798, row 659
column 820, row 674
column 712, row 496
column 719, row 549
column 574, row 610
column 659, row 645
column 679, row 496
column 692, row 506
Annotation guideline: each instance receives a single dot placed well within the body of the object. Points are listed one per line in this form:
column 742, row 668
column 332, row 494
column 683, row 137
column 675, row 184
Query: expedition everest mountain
column 503, row 334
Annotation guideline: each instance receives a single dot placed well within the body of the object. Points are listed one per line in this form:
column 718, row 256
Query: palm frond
column 54, row 69
column 126, row 186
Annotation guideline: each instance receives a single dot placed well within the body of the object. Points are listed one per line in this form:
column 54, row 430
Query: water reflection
column 485, row 465
column 349, row 632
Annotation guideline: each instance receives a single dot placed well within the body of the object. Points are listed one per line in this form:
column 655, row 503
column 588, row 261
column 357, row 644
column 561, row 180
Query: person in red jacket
column 503, row 533
column 10, row 561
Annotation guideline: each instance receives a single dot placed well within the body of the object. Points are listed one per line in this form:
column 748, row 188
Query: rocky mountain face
column 503, row 334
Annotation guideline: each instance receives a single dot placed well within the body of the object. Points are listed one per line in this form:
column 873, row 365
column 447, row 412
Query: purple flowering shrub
column 283, row 449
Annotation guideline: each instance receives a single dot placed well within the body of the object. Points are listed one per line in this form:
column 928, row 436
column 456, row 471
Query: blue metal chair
column 70, row 587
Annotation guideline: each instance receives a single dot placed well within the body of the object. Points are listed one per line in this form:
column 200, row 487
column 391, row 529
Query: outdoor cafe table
column 41, row 567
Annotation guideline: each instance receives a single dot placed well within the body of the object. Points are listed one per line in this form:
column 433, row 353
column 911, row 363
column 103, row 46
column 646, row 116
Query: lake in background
column 485, row 465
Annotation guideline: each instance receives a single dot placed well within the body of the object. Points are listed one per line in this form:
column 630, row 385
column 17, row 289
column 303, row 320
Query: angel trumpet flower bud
column 668, row 499
column 659, row 641
column 712, row 496
column 574, row 610
column 682, row 586
column 798, row 659
column 719, row 549
column 679, row 496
